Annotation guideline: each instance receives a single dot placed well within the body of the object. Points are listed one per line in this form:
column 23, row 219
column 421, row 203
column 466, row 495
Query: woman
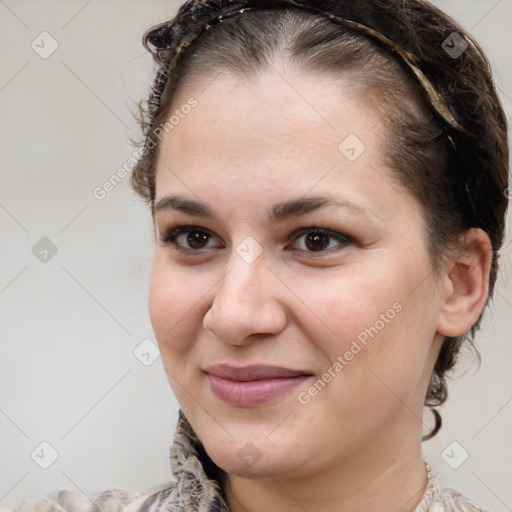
column 328, row 183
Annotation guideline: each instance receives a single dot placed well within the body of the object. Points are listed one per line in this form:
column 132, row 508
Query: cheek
column 174, row 306
column 373, row 322
column 350, row 307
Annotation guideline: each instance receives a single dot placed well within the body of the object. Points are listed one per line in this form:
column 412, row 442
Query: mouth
column 253, row 385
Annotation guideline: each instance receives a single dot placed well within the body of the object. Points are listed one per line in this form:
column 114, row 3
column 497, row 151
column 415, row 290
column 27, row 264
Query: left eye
column 317, row 239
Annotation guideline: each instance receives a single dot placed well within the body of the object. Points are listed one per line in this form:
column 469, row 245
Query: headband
column 434, row 69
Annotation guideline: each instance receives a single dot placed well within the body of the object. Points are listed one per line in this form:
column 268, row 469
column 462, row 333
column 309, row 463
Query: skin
column 246, row 146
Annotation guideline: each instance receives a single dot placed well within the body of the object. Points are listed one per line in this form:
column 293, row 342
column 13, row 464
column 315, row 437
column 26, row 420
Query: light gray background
column 70, row 325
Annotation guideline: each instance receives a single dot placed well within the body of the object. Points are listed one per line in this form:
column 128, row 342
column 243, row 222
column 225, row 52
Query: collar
column 197, row 476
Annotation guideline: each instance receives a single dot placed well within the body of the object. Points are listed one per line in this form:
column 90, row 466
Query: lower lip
column 254, row 392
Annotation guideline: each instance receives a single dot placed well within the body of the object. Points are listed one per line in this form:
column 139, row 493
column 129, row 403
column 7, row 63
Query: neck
column 380, row 479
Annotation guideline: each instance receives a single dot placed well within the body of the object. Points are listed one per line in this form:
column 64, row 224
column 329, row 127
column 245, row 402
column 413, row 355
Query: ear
column 466, row 284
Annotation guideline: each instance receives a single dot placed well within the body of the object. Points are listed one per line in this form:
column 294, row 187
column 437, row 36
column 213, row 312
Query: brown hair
column 417, row 147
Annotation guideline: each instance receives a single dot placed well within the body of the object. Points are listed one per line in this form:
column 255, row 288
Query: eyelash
column 169, row 237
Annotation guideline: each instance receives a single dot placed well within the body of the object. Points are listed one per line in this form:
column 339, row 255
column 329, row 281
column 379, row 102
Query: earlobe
column 466, row 284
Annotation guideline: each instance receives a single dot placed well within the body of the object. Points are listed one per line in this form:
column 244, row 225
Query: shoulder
column 110, row 500
column 450, row 500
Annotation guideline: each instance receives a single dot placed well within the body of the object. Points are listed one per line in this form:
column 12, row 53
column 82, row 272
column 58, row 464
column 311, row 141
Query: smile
column 252, row 385
column 255, row 392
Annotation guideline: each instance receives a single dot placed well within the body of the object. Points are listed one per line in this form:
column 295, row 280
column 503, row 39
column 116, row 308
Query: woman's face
column 347, row 314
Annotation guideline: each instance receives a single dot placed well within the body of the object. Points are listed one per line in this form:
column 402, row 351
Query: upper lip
column 252, row 372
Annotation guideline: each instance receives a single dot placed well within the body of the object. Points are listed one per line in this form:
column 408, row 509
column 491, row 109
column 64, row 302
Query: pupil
column 316, row 240
column 195, row 238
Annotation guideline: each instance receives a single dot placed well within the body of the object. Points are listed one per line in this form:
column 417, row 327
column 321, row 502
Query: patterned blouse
column 196, row 488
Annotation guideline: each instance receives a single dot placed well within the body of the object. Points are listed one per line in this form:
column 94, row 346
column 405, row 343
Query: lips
column 252, row 385
column 253, row 372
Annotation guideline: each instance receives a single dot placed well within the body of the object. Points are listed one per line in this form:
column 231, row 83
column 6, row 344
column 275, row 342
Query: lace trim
column 432, row 491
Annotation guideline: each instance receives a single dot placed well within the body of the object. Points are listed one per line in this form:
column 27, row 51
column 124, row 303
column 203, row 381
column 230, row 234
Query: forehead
column 277, row 116
column 279, row 134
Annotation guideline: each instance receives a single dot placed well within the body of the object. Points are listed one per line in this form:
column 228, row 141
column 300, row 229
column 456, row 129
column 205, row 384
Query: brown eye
column 316, row 241
column 320, row 240
column 196, row 239
column 187, row 238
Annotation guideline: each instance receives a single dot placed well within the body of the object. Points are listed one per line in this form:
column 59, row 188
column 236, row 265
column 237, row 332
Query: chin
column 246, row 460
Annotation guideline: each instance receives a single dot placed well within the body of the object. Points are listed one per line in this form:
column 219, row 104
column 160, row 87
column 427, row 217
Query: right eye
column 187, row 239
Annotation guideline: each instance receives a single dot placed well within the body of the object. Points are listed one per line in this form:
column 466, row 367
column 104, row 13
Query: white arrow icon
column 44, row 44
column 249, row 249
column 44, row 455
column 146, row 352
column 351, row 147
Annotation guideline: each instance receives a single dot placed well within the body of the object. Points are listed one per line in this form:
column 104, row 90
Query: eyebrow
column 277, row 213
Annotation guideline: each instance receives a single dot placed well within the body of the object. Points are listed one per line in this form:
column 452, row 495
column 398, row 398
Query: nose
column 248, row 301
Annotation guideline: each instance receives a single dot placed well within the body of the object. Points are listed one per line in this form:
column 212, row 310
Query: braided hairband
column 172, row 38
